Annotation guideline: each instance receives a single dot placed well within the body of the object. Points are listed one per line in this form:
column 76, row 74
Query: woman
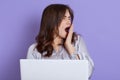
column 56, row 39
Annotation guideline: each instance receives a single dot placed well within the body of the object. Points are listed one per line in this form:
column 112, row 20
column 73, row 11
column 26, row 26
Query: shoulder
column 78, row 38
column 32, row 47
column 32, row 52
column 80, row 41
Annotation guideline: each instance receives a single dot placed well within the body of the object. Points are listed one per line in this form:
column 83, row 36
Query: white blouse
column 80, row 49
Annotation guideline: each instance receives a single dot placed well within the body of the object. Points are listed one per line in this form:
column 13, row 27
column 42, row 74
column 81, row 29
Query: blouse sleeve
column 84, row 55
column 33, row 53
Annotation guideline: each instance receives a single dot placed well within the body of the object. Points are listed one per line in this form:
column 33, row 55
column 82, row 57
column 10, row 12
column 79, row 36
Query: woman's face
column 65, row 25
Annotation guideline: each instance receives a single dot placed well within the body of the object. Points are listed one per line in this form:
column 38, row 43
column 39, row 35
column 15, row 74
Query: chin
column 64, row 36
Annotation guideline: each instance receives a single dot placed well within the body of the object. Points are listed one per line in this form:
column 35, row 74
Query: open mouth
column 67, row 29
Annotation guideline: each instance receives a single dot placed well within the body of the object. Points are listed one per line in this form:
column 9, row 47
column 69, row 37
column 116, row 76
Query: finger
column 70, row 33
column 71, row 28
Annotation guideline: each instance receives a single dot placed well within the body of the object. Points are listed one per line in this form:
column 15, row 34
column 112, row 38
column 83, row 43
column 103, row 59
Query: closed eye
column 65, row 17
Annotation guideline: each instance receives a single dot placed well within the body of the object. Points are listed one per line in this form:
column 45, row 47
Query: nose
column 68, row 21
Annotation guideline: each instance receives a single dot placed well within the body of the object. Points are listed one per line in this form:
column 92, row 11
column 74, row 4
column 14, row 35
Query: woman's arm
column 84, row 55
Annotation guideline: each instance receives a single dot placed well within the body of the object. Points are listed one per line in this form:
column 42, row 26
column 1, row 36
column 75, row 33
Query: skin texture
column 66, row 22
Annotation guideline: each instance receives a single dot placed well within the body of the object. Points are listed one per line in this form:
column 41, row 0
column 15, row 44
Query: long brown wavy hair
column 51, row 19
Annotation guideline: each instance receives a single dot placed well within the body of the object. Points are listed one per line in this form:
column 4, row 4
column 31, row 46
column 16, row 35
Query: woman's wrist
column 70, row 49
column 74, row 55
column 72, row 52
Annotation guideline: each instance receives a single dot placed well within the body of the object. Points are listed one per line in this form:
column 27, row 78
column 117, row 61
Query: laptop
column 32, row 69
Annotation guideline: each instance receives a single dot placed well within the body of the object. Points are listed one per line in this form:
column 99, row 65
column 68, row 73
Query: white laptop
column 32, row 69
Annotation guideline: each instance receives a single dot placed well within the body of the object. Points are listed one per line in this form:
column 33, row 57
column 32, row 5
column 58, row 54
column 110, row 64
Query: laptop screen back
column 53, row 69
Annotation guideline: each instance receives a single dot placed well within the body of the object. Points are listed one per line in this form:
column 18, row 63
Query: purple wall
column 97, row 20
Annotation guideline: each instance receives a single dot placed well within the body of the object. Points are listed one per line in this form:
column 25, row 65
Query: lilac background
column 97, row 20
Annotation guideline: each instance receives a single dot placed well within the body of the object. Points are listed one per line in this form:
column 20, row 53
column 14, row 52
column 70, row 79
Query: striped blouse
column 80, row 49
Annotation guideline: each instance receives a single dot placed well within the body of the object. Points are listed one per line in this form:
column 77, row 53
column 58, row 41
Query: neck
column 56, row 43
